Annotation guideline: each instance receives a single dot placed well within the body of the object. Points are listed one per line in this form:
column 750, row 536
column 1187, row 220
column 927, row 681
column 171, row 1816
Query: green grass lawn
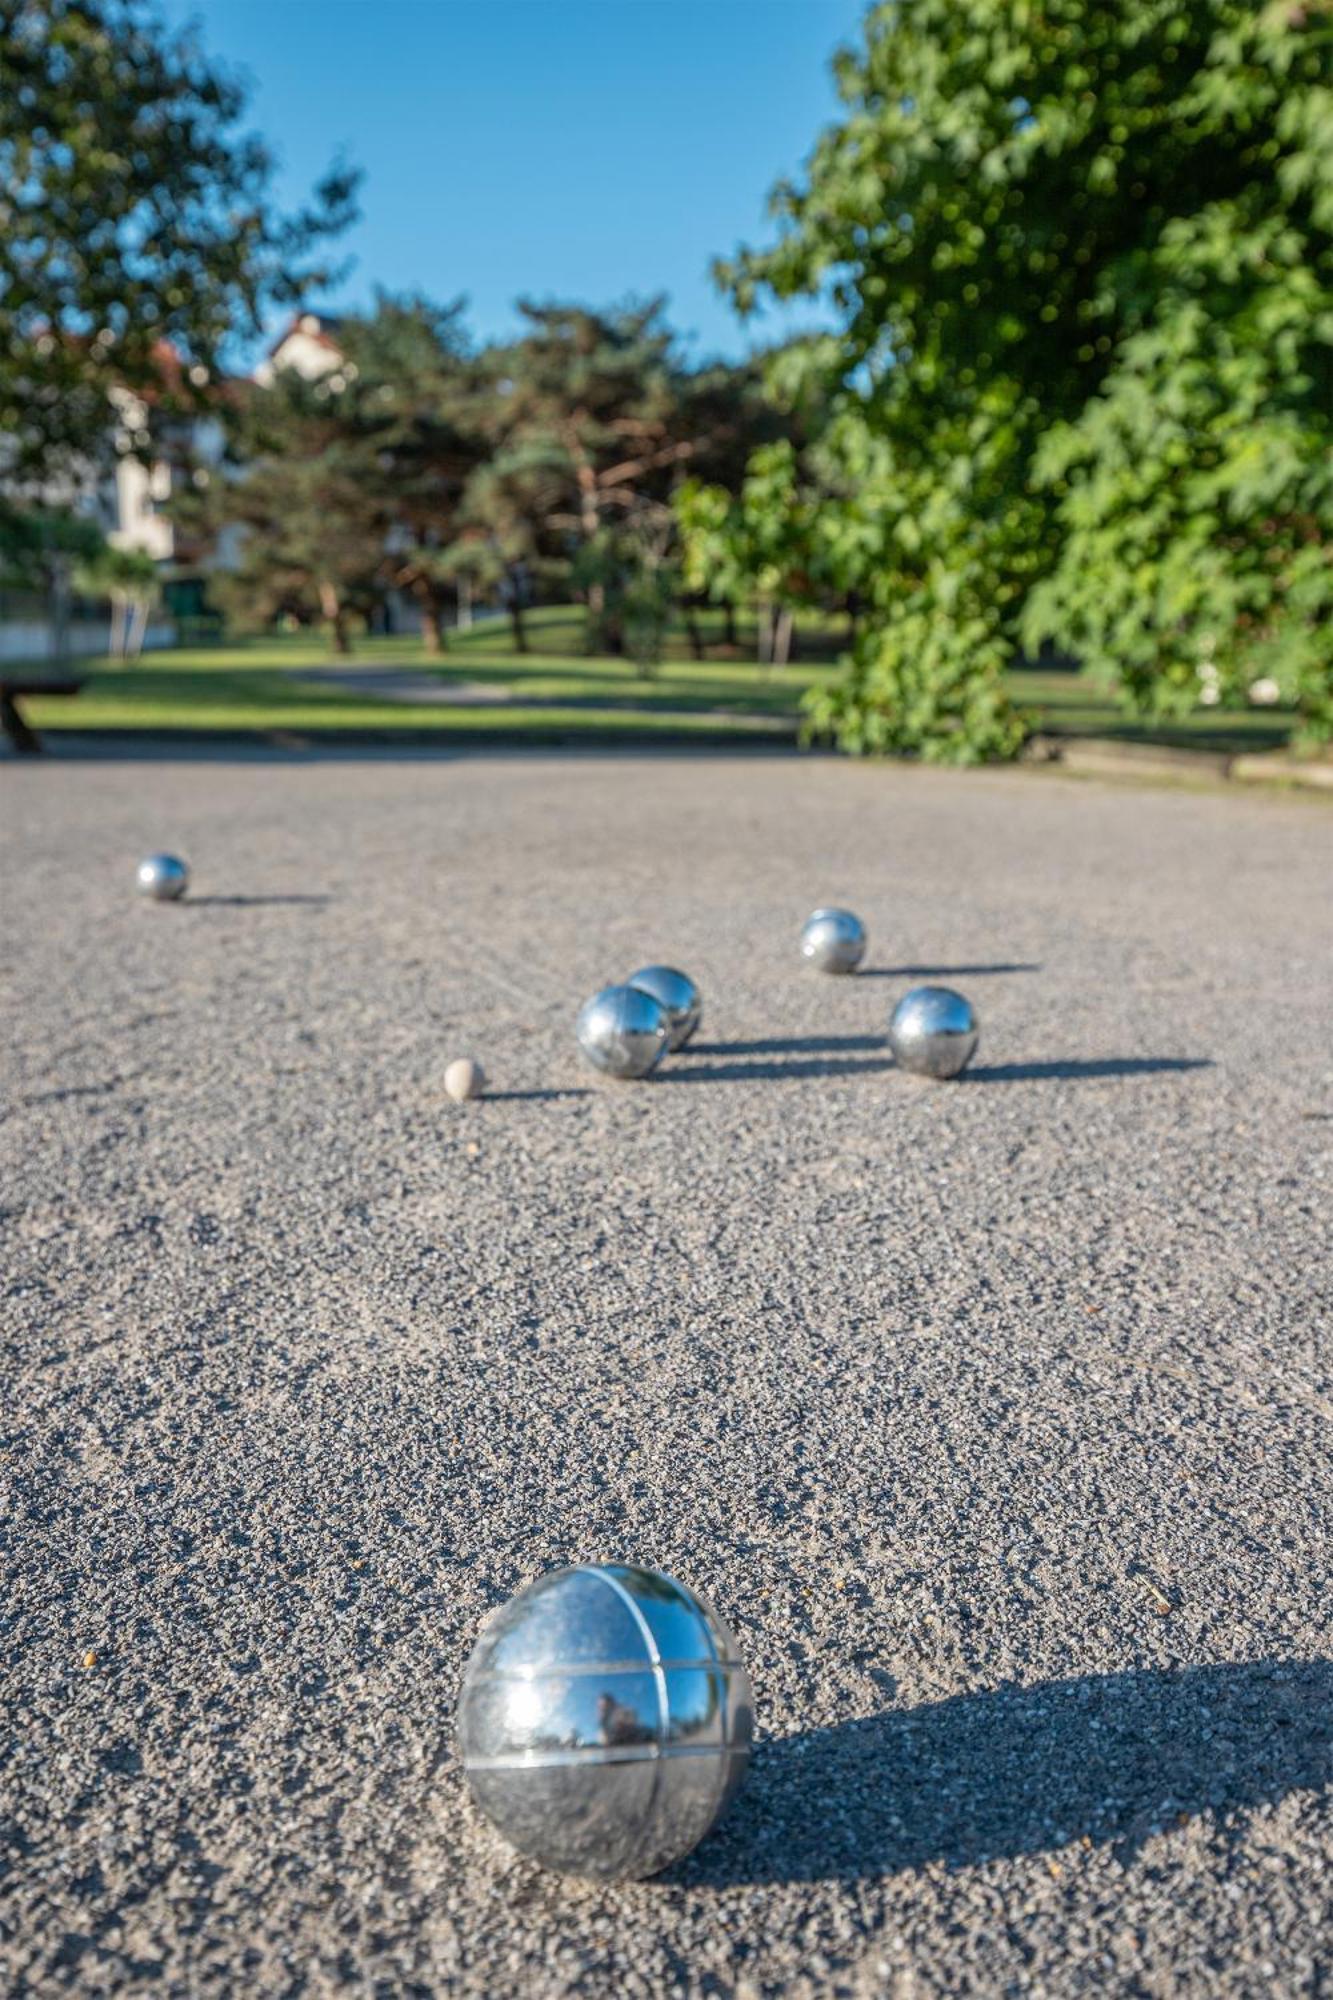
column 554, row 692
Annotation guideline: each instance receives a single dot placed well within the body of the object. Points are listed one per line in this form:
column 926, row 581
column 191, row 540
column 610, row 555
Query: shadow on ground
column 754, row 1072
column 533, row 1096
column 1036, row 1072
column 790, row 1045
column 835, row 1055
column 1025, row 1770
column 939, row 971
column 253, row 902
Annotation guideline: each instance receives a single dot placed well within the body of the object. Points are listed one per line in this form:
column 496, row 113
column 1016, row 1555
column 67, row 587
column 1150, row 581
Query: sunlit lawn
column 553, row 692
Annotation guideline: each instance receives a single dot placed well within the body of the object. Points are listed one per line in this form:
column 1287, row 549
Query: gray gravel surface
column 996, row 1416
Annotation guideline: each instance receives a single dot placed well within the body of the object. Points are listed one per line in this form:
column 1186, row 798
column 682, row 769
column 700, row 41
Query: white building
column 308, row 345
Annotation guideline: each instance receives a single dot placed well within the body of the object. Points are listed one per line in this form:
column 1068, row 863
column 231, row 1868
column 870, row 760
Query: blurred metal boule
column 623, row 1031
column 163, row 877
column 605, row 1720
column 933, row 1031
column 833, row 940
column 678, row 994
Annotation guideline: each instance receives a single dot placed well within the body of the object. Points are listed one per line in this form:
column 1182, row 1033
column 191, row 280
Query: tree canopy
column 1082, row 252
column 137, row 232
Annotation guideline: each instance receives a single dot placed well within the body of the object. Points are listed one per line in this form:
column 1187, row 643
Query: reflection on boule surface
column 162, row 878
column 933, row 1031
column 678, row 995
column 623, row 1031
column 833, row 940
column 605, row 1720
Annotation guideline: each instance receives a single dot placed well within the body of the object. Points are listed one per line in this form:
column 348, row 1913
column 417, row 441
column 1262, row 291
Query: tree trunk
column 138, row 629
column 520, row 637
column 335, row 617
column 465, row 603
column 591, row 522
column 60, row 569
column 729, row 623
column 764, row 633
column 692, row 633
column 432, row 638
column 782, row 630
column 117, row 637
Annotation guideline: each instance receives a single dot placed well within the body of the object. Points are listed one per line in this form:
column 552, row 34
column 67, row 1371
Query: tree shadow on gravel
column 1024, row 1770
column 1036, row 1072
column 939, row 971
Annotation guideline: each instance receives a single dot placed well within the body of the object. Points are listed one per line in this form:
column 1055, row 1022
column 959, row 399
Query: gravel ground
column 994, row 1415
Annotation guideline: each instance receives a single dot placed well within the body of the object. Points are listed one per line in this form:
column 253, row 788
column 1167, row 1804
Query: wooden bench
column 24, row 738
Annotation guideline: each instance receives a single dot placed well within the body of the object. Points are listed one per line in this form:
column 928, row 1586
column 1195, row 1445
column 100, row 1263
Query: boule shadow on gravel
column 943, row 971
column 1014, row 1771
column 1084, row 1070
column 767, row 1070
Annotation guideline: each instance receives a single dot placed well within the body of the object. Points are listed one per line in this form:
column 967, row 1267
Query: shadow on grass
column 1023, row 1771
column 1097, row 1066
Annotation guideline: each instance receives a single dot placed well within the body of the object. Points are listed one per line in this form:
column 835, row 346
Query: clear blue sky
column 560, row 148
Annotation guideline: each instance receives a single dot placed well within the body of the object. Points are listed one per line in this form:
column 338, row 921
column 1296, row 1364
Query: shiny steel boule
column 605, row 1720
column 933, row 1031
column 678, row 994
column 163, row 877
column 623, row 1031
column 833, row 940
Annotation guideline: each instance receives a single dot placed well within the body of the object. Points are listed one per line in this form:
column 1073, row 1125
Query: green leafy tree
column 1195, row 492
column 303, row 502
column 596, row 420
column 417, row 392
column 1082, row 255
column 726, row 411
column 786, row 529
column 134, row 211
column 131, row 579
column 43, row 548
column 510, row 539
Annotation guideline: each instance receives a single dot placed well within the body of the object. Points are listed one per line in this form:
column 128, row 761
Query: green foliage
column 133, row 582
column 416, row 405
column 306, row 503
column 127, row 573
column 1195, row 492
column 1082, row 253
column 135, row 223
column 629, row 583
column 595, row 419
column 35, row 541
